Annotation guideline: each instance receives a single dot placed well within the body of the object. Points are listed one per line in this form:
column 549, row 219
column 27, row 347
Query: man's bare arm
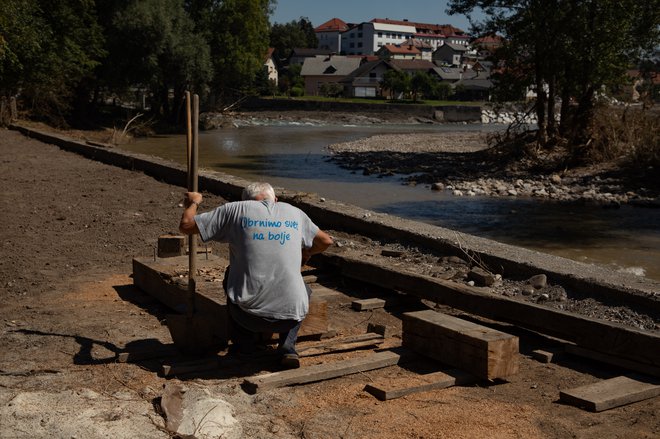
column 321, row 242
column 187, row 225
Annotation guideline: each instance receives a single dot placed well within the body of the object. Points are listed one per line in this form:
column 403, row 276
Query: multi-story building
column 434, row 35
column 329, row 34
column 367, row 38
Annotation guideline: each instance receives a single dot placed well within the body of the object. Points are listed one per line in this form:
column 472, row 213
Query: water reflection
column 297, row 158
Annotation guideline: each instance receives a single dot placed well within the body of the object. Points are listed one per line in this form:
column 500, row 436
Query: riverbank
column 461, row 162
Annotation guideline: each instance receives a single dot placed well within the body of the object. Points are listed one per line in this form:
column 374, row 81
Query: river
column 295, row 157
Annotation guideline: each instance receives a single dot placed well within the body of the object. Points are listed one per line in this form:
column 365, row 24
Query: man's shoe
column 290, row 361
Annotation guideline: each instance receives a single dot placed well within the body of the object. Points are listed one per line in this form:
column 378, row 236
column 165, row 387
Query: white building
column 367, row 37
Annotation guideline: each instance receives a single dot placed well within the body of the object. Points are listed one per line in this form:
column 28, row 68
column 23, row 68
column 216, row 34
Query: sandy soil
column 71, row 228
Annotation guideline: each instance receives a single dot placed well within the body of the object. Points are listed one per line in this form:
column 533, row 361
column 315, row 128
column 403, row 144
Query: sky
column 357, row 11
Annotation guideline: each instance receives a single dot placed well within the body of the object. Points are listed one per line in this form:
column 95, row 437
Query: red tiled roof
column 408, row 49
column 269, row 53
column 335, row 24
column 417, row 43
column 489, row 41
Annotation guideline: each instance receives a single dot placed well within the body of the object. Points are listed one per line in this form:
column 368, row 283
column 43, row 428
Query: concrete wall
column 449, row 113
column 513, row 262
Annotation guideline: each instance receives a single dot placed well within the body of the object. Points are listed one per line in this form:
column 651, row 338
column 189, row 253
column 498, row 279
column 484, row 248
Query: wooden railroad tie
column 320, row 372
column 484, row 352
column 396, row 388
column 367, row 304
column 608, row 394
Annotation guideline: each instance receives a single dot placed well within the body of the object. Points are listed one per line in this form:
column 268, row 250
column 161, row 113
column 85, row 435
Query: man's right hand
column 192, row 198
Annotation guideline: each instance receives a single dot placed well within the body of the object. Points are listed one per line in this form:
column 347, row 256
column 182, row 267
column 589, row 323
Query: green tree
column 155, row 47
column 50, row 52
column 568, row 49
column 290, row 78
column 286, row 37
column 396, row 82
column 238, row 36
column 421, row 83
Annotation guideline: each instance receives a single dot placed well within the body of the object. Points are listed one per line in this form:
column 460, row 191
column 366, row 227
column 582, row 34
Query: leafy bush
column 297, row 91
column 629, row 133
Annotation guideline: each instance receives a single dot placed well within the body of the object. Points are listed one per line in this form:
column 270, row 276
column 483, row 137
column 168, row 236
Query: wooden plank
column 320, row 372
column 328, row 294
column 316, row 322
column 543, row 356
column 612, row 360
column 342, row 344
column 606, row 337
column 608, row 394
column 484, row 352
column 367, row 304
column 396, row 388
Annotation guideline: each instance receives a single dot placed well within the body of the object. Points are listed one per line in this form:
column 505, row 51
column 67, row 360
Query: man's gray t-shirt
column 265, row 241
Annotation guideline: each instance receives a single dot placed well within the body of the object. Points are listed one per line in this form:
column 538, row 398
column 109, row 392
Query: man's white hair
column 259, row 191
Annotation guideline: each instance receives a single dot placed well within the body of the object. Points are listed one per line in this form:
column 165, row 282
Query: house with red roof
column 391, row 51
column 329, row 34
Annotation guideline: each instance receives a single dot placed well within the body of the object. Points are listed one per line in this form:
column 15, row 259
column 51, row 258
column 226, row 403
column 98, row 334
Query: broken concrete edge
column 515, row 262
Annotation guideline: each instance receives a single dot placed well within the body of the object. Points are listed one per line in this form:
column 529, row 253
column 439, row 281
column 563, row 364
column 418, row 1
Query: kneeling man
column 268, row 243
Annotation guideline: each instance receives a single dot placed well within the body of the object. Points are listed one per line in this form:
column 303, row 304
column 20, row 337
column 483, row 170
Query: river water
column 295, row 157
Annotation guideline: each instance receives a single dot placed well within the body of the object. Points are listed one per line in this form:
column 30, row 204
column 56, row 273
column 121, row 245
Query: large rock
column 195, row 412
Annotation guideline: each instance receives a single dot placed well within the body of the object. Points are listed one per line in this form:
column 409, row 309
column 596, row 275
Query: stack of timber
column 481, row 351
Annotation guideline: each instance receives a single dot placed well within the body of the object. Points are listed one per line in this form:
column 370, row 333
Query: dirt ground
column 71, row 229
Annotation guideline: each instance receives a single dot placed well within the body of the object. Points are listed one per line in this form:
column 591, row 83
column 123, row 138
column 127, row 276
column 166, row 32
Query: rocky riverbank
column 462, row 163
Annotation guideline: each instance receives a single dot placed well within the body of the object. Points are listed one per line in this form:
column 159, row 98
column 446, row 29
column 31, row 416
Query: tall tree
column 238, row 36
column 155, row 47
column 566, row 48
column 397, row 82
column 294, row 34
column 51, row 51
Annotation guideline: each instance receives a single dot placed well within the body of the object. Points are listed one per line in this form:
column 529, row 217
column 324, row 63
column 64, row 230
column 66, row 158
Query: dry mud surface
column 71, row 228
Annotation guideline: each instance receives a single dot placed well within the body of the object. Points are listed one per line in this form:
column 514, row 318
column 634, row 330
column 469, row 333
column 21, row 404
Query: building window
column 352, row 45
column 360, row 44
column 359, row 34
column 380, row 35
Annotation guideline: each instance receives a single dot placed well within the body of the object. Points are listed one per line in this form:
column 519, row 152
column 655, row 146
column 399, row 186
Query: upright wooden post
column 13, row 110
column 3, row 111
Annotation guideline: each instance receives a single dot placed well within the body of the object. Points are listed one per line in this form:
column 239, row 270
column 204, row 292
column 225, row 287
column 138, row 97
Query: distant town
column 353, row 60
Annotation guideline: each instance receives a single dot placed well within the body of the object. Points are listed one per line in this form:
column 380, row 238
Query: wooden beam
column 612, row 360
column 342, row 344
column 484, row 352
column 606, row 337
column 367, row 304
column 608, row 394
column 320, row 372
column 543, row 356
column 396, row 388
